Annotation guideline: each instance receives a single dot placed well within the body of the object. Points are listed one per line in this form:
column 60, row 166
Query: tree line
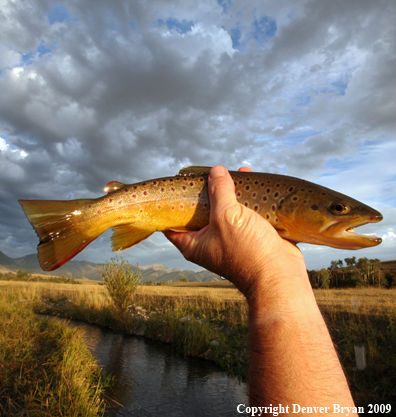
column 353, row 273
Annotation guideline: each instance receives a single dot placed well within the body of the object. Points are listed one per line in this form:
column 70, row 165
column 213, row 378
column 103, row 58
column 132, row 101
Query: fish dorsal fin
column 112, row 186
column 197, row 170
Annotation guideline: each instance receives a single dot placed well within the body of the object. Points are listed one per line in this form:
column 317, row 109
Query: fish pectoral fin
column 127, row 235
column 193, row 170
column 112, row 186
column 181, row 229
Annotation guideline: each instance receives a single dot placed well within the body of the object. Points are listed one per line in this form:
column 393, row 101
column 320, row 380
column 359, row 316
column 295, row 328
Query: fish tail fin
column 63, row 227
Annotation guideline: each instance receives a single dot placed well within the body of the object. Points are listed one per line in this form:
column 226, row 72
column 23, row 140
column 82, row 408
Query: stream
column 152, row 380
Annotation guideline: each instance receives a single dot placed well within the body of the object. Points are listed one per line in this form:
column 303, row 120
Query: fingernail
column 217, row 171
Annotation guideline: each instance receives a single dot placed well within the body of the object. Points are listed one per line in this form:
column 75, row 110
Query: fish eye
column 339, row 208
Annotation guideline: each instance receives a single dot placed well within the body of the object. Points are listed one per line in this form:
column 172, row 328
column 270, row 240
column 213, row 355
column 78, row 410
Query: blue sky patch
column 181, row 26
column 264, row 29
column 58, row 13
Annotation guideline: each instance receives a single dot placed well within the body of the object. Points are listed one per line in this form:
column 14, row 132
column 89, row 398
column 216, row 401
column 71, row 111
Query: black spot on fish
column 314, row 207
column 290, row 189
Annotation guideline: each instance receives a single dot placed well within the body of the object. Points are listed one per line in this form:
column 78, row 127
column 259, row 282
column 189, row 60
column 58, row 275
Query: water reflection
column 153, row 381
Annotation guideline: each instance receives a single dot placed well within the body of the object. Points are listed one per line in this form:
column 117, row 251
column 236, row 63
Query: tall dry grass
column 355, row 317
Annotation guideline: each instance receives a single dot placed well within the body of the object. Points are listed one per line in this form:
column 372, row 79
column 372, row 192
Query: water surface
column 151, row 380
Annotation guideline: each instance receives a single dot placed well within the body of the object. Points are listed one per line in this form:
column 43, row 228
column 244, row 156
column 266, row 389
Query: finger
column 221, row 189
column 245, row 169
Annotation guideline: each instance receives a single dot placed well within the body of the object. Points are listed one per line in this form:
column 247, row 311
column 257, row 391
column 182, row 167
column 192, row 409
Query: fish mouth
column 348, row 239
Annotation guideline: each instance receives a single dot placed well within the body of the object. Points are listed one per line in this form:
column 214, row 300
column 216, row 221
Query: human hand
column 238, row 243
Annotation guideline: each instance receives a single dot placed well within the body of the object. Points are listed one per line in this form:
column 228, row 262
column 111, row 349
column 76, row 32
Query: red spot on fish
column 155, row 182
column 265, row 198
column 99, row 212
column 246, row 204
column 192, row 204
column 141, row 211
column 173, row 207
column 255, row 208
column 134, row 195
column 172, row 189
column 120, row 202
column 181, row 206
column 162, row 189
column 145, row 193
column 89, row 206
column 267, row 216
column 276, row 220
column 111, row 200
column 192, row 184
column 238, row 194
column 199, row 194
column 273, row 208
column 184, row 187
column 159, row 207
column 254, row 195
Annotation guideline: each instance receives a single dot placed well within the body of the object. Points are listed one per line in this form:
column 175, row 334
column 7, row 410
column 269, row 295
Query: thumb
column 221, row 190
column 223, row 201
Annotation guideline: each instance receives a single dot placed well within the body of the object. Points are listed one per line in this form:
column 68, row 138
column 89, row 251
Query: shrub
column 121, row 282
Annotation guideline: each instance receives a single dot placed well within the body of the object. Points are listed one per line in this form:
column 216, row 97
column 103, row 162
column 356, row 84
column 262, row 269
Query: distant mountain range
column 89, row 270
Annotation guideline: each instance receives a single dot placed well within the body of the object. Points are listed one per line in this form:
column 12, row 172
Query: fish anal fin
column 112, row 186
column 127, row 235
column 193, row 170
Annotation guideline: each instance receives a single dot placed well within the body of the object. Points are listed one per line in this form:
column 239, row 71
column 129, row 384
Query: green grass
column 46, row 368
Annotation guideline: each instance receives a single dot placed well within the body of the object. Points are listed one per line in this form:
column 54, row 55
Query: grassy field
column 46, row 367
column 210, row 321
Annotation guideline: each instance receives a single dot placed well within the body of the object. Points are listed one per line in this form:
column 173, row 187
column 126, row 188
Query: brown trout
column 299, row 210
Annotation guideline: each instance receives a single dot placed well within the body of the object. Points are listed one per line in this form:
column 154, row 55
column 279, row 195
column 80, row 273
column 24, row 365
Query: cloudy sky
column 94, row 91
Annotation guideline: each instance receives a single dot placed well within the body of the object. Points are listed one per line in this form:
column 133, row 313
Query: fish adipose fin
column 62, row 229
column 126, row 235
column 193, row 170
